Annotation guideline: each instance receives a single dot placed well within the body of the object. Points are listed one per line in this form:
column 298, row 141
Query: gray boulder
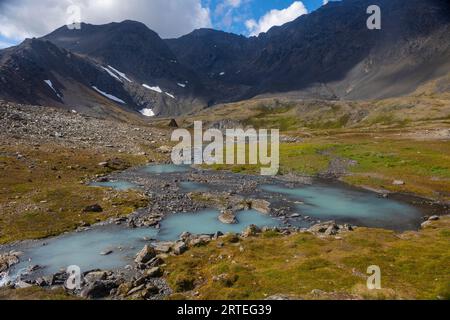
column 228, row 217
column 145, row 255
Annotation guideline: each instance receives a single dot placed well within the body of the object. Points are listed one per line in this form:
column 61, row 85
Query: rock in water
column 228, row 217
column 7, row 261
column 146, row 254
column 262, row 206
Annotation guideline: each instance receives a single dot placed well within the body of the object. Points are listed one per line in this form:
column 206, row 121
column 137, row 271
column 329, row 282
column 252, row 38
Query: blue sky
column 251, row 9
column 20, row 19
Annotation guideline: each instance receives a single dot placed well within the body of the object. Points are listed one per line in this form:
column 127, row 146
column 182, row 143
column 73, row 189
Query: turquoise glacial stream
column 84, row 249
column 351, row 206
column 117, row 185
column 113, row 247
column 165, row 168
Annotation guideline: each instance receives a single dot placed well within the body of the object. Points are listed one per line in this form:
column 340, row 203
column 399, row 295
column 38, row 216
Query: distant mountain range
column 328, row 54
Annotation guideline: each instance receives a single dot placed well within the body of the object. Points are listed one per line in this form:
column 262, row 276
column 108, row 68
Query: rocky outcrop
column 179, row 248
column 251, row 231
column 7, row 260
column 164, row 247
column 330, row 228
column 429, row 222
column 228, row 217
column 98, row 289
column 145, row 255
column 262, row 206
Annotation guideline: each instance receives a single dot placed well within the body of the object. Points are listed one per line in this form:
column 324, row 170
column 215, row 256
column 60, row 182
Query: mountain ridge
column 327, row 54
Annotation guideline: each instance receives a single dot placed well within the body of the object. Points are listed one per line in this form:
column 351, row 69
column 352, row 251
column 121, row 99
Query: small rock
column 137, row 289
column 317, row 292
column 7, row 261
column 155, row 262
column 426, row 224
column 98, row 290
column 217, row 235
column 164, row 247
column 173, row 123
column 155, row 272
column 95, row 276
column 165, row 149
column 96, row 208
column 200, row 240
column 42, row 282
column 22, row 285
column 262, row 206
column 146, row 254
column 278, row 297
column 228, row 217
column 185, row 236
column 251, row 231
column 180, row 248
column 332, row 230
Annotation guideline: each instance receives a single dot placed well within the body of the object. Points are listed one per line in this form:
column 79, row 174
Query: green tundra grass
column 414, row 265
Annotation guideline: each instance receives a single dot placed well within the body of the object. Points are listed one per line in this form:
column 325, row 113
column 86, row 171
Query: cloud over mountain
column 276, row 18
column 29, row 18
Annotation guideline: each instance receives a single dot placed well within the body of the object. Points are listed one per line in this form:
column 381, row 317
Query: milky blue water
column 319, row 201
column 165, row 168
column 352, row 206
column 207, row 222
column 117, row 185
column 188, row 186
column 84, row 249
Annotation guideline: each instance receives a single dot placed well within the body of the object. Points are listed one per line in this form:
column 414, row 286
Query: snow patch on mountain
column 107, row 95
column 156, row 89
column 170, row 95
column 112, row 74
column 121, row 74
column 50, row 84
column 181, row 85
column 147, row 112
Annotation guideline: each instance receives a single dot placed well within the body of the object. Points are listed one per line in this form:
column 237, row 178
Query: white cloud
column 170, row 18
column 325, row 2
column 276, row 18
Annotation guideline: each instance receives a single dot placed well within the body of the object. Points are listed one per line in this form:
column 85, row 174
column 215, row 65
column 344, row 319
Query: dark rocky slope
column 328, row 54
